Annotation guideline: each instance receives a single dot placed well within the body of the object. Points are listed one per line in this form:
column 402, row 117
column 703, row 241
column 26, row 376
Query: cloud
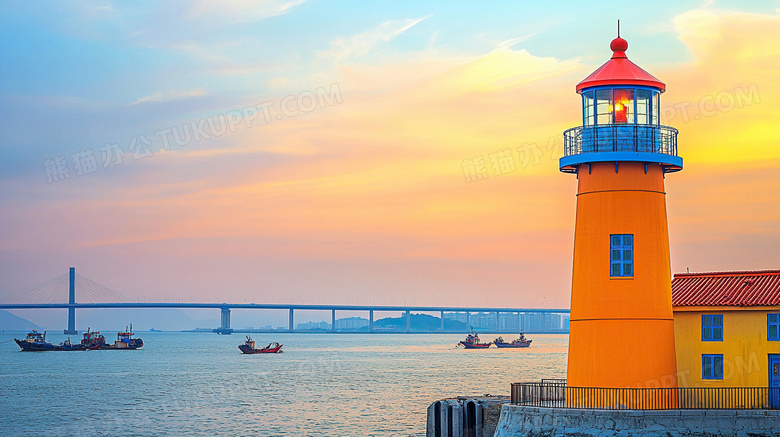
column 723, row 101
column 237, row 11
column 509, row 43
column 377, row 180
column 167, row 96
column 358, row 45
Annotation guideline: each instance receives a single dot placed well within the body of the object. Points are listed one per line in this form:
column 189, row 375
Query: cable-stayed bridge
column 46, row 296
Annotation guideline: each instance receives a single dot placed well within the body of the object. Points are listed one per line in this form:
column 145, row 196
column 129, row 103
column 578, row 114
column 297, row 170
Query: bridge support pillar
column 333, row 320
column 292, row 321
column 498, row 321
column 468, row 321
column 408, row 321
column 72, row 300
column 224, row 325
column 370, row 320
column 442, row 320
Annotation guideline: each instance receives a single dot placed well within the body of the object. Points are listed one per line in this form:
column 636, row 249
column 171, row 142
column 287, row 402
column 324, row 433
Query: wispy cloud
column 509, row 43
column 160, row 96
column 238, row 11
column 360, row 44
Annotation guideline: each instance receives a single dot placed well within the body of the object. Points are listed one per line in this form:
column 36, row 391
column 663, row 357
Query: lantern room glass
column 621, row 105
column 588, row 108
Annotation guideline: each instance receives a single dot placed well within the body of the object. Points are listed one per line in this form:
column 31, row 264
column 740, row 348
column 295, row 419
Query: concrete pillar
column 225, row 325
column 519, row 325
column 442, row 321
column 292, row 321
column 468, row 321
column 71, row 300
column 370, row 320
column 498, row 321
column 333, row 320
column 408, row 321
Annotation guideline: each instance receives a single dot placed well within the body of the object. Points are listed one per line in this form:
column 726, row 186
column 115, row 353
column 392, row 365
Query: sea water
column 199, row 384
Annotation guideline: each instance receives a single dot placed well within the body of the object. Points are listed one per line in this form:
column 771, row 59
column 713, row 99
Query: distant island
column 11, row 322
column 418, row 323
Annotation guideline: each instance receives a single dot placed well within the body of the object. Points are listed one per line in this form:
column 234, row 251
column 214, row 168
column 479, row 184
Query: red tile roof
column 743, row 289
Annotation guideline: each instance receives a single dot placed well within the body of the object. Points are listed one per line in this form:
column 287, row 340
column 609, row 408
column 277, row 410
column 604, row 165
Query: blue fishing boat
column 35, row 342
column 519, row 342
column 68, row 346
column 124, row 341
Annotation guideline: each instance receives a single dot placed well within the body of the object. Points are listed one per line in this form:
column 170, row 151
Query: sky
column 322, row 151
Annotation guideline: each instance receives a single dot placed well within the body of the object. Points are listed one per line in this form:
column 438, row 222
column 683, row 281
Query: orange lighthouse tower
column 621, row 332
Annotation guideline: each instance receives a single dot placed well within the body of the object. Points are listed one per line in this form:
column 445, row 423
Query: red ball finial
column 618, row 45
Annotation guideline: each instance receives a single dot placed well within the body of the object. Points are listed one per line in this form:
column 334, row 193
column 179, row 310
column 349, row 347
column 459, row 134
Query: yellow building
column 727, row 329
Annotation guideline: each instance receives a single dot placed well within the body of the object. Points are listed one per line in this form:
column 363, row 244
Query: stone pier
column 525, row 421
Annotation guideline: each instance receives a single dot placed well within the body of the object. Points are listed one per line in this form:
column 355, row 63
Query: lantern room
column 619, row 105
column 621, row 118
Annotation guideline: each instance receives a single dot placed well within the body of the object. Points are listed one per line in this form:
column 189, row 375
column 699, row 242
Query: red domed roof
column 620, row 71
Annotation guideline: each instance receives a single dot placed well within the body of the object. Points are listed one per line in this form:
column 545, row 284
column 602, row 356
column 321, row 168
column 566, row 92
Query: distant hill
column 419, row 322
column 10, row 322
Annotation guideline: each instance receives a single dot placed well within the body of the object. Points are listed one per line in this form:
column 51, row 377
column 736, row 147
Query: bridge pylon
column 224, row 327
column 71, row 301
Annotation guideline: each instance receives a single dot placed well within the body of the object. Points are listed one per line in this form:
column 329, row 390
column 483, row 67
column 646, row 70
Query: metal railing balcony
column 641, row 138
column 559, row 395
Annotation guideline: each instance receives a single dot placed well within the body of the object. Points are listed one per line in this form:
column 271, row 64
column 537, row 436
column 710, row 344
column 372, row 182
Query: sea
column 199, row 384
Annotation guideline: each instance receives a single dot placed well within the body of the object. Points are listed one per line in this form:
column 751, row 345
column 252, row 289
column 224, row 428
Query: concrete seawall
column 524, row 421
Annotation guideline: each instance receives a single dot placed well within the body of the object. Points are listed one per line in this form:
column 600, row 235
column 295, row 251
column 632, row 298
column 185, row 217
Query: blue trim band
column 671, row 163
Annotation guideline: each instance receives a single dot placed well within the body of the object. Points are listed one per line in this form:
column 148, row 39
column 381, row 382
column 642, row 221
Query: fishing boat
column 91, row 340
column 249, row 347
column 521, row 341
column 472, row 342
column 35, row 342
column 68, row 346
column 124, row 340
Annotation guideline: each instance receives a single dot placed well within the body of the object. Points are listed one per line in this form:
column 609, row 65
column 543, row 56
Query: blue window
column 712, row 327
column 712, row 367
column 621, row 255
column 773, row 327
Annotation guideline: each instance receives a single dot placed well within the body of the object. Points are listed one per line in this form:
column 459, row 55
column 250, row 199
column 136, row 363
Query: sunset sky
column 354, row 189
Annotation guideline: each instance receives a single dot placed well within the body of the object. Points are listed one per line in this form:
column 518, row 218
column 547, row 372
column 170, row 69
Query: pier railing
column 556, row 394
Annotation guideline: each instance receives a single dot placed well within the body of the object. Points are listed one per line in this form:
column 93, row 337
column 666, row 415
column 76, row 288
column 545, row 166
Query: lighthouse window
column 643, row 98
column 712, row 327
column 603, row 106
column 621, row 255
column 656, row 109
column 773, row 327
column 712, row 367
column 588, row 107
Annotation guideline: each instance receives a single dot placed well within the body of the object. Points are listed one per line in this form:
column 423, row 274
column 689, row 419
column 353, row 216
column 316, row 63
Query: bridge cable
column 99, row 291
column 44, row 288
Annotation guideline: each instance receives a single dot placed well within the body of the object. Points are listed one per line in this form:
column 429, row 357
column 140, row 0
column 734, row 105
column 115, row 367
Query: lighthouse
column 621, row 331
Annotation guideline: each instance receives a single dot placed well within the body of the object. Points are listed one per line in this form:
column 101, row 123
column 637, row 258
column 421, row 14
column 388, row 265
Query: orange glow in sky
column 403, row 160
